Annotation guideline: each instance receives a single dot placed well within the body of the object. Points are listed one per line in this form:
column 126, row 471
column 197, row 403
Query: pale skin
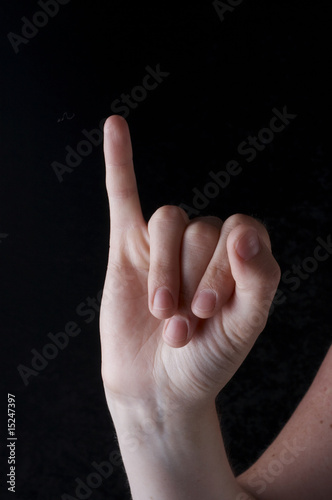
column 166, row 356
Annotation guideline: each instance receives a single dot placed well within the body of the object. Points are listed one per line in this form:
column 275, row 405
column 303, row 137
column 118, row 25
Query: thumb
column 256, row 275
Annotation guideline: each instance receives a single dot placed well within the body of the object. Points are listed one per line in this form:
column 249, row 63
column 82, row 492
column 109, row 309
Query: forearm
column 175, row 456
column 298, row 463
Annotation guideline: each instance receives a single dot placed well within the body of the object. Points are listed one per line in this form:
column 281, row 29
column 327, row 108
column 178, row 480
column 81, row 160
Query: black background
column 225, row 77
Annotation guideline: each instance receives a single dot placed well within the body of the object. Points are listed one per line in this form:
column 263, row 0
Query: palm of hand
column 136, row 350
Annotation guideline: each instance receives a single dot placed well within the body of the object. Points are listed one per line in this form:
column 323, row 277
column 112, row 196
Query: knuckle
column 201, row 235
column 236, row 219
column 168, row 213
column 121, row 193
column 243, row 219
column 268, row 279
column 163, row 268
column 163, row 273
column 275, row 274
column 218, row 275
column 209, row 219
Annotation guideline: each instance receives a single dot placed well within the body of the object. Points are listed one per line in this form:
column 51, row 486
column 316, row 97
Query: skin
column 166, row 356
column 307, row 470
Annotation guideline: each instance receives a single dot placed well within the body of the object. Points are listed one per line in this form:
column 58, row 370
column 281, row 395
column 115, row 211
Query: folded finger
column 218, row 280
column 256, row 274
column 166, row 228
column 198, row 245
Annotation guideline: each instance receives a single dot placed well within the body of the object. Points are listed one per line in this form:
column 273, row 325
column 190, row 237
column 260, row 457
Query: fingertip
column 176, row 332
column 245, row 242
column 117, row 148
column 204, row 304
column 162, row 305
column 113, row 120
column 117, row 142
column 248, row 244
column 252, row 263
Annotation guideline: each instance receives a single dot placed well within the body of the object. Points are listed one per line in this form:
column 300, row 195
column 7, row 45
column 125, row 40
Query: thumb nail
column 248, row 245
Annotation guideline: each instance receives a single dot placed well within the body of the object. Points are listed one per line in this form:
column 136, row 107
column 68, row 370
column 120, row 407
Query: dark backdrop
column 223, row 75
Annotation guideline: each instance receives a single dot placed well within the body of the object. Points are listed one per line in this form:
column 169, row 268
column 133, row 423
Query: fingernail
column 163, row 300
column 248, row 245
column 205, row 301
column 176, row 330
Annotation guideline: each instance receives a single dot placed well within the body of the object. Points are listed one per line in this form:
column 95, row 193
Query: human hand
column 172, row 346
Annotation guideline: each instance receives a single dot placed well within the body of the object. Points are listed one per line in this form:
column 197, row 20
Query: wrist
column 170, row 452
column 151, row 423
